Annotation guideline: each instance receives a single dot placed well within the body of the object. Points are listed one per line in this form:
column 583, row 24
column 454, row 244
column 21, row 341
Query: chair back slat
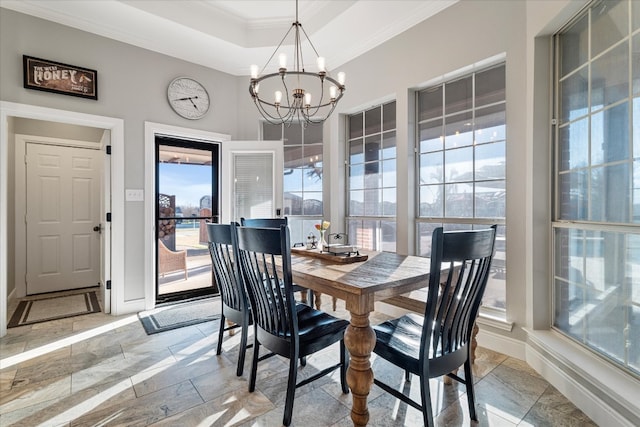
column 221, row 249
column 265, row 263
column 449, row 318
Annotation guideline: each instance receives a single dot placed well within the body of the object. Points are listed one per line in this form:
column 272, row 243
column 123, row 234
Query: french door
column 187, row 197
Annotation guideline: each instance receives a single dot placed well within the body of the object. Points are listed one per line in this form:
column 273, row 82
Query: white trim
column 486, row 318
column 150, row 131
column 604, row 392
column 116, row 126
column 501, row 343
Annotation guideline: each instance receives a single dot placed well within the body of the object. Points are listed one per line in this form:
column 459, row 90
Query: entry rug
column 180, row 315
column 33, row 311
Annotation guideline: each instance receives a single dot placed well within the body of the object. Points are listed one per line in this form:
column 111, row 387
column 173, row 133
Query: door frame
column 20, row 186
column 9, row 110
column 152, row 129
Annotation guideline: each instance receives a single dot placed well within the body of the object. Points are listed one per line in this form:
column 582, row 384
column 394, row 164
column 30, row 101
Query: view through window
column 596, row 286
column 303, row 171
column 461, row 156
column 371, row 172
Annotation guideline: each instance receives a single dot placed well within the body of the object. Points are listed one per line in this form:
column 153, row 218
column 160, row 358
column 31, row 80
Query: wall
column 132, row 85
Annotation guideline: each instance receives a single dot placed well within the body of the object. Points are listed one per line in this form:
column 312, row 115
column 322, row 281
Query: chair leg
column 254, row 364
column 344, row 361
column 407, row 375
column 291, row 391
column 220, row 335
column 243, row 348
column 303, row 361
column 425, row 395
column 468, row 381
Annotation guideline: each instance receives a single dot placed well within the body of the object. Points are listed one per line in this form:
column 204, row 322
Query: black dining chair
column 439, row 342
column 307, row 294
column 235, row 305
column 282, row 325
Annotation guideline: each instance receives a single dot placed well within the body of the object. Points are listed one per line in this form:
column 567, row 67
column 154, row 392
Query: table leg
column 360, row 339
column 318, row 300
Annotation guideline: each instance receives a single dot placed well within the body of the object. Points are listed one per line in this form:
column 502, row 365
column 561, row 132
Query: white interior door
column 252, row 174
column 63, row 207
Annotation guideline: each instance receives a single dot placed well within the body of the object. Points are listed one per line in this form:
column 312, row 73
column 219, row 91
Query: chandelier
column 309, row 97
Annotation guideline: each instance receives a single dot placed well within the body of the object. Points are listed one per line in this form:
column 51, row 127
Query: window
column 302, row 184
column 596, row 232
column 461, row 157
column 371, row 173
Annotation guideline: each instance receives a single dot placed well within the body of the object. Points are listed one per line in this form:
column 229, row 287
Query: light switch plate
column 134, row 195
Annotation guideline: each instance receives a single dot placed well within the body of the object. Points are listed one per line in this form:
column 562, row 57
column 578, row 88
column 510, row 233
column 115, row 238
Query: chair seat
column 317, row 329
column 398, row 340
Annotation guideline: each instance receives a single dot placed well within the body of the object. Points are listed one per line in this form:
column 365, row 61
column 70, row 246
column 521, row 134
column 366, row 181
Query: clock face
column 188, row 98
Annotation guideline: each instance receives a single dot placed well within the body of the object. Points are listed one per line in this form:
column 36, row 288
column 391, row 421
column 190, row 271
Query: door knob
column 98, row 228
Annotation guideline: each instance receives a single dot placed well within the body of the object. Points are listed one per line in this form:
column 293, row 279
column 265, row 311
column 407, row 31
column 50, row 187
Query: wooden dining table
column 383, row 275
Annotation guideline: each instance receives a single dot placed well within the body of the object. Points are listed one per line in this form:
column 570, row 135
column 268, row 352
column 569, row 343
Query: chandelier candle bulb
column 307, row 99
column 278, row 96
column 282, row 59
column 332, row 92
column 342, row 77
column 321, row 64
column 254, row 71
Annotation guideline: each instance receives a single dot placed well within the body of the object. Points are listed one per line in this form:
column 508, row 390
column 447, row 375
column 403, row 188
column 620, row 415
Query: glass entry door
column 187, row 188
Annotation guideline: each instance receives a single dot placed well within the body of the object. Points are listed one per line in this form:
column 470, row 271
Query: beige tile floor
column 101, row 370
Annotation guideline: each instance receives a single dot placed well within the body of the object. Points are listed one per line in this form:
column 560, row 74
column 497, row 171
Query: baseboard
column 605, row 393
column 501, row 343
column 129, row 307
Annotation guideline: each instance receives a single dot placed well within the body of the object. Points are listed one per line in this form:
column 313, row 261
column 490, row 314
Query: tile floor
column 101, row 370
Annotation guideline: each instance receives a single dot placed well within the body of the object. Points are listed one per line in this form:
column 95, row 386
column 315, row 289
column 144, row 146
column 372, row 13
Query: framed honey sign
column 50, row 76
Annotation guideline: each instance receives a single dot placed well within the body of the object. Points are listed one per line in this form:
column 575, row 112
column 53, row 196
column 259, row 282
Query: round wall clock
column 188, row 98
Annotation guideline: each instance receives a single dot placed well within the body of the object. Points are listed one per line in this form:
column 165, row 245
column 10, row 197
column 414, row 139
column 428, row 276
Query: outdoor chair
column 439, row 342
column 282, row 325
column 171, row 261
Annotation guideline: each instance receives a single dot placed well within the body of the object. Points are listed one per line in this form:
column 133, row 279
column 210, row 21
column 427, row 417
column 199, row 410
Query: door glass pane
column 253, row 185
column 187, row 198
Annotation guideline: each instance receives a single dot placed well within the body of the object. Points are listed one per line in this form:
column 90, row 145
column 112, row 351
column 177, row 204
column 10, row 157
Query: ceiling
column 231, row 35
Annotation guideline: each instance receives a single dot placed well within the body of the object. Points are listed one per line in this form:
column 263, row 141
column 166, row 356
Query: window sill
column 494, row 318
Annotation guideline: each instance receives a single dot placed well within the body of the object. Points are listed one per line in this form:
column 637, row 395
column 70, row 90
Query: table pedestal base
column 360, row 339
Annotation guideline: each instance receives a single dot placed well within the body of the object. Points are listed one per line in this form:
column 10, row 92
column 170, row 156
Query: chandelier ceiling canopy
column 296, row 94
